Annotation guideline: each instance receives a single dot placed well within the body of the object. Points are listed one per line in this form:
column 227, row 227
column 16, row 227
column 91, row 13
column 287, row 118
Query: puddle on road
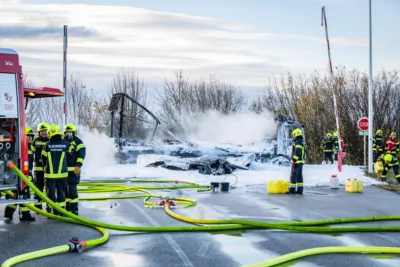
column 317, row 193
column 382, row 258
column 119, row 259
column 241, row 250
column 101, row 205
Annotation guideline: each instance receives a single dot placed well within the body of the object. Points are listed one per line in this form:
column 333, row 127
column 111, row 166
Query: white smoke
column 100, row 150
column 241, row 128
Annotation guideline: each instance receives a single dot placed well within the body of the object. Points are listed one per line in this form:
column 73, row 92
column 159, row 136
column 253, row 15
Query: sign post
column 363, row 126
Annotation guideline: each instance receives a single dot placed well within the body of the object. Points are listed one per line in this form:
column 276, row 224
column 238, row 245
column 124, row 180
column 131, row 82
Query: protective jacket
column 328, row 144
column 54, row 158
column 298, row 150
column 77, row 152
column 377, row 143
column 37, row 147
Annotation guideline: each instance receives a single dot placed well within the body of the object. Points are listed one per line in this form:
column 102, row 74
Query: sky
column 241, row 42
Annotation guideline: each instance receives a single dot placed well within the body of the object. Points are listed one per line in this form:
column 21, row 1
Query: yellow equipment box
column 277, row 187
column 354, row 186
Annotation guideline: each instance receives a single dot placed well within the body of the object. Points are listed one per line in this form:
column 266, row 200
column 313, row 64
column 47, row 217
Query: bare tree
column 128, row 81
column 309, row 100
column 84, row 106
column 33, row 106
column 182, row 99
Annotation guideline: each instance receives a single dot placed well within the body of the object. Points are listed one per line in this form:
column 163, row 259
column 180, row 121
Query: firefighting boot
column 299, row 190
column 26, row 216
column 9, row 212
column 291, row 191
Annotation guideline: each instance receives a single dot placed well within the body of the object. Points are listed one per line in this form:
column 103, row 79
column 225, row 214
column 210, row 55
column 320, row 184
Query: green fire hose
column 110, row 186
column 59, row 249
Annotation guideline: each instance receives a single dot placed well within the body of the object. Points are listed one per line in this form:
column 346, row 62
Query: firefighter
column 24, row 212
column 327, row 145
column 54, row 160
column 37, row 147
column 377, row 145
column 298, row 160
column 75, row 160
column 392, row 144
column 390, row 161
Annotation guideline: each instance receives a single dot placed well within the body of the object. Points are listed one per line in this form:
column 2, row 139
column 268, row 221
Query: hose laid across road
column 110, row 186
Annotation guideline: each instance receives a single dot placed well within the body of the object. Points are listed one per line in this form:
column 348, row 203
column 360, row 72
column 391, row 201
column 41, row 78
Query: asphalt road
column 234, row 248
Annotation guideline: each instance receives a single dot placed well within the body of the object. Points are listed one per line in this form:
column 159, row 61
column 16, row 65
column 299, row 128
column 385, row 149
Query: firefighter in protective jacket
column 37, row 147
column 377, row 145
column 328, row 146
column 54, row 158
column 75, row 160
column 24, row 212
column 390, row 161
column 298, row 160
column 336, row 144
column 392, row 144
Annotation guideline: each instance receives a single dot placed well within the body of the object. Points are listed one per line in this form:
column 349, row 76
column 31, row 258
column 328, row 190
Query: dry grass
column 390, row 187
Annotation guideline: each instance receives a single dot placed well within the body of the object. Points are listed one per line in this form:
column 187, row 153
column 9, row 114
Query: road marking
column 169, row 238
column 203, row 249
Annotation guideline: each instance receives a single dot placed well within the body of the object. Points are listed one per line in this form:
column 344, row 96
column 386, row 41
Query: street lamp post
column 370, row 97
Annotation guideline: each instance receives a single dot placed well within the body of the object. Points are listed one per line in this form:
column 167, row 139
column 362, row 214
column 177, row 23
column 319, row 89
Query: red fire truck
column 13, row 141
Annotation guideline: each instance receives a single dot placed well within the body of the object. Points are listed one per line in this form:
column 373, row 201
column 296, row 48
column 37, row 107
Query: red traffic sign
column 363, row 124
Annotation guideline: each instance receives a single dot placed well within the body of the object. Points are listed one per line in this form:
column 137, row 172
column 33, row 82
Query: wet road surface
column 220, row 249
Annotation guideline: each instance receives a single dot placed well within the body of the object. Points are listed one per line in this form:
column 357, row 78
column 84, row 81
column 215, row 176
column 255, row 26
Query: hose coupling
column 75, row 245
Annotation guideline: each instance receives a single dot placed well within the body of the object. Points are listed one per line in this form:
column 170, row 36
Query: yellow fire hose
column 101, row 187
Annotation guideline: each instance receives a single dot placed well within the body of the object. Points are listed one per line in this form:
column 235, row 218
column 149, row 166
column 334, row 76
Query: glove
column 77, row 170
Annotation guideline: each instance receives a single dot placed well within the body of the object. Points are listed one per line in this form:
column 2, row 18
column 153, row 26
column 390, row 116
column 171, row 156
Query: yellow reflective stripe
column 30, row 152
column 300, row 184
column 295, row 157
column 67, row 200
column 80, row 146
column 12, row 206
column 397, row 176
column 39, row 143
column 38, row 168
column 71, row 148
column 298, row 146
column 33, row 148
column 71, row 169
column 80, row 160
column 56, row 175
column 61, row 204
column 50, row 161
column 44, row 153
column 61, row 162
column 75, row 200
column 21, row 208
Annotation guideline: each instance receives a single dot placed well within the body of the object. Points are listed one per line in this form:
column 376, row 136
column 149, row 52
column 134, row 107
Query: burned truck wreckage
column 168, row 151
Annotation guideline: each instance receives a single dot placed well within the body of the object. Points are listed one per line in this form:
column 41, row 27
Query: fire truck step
column 4, row 188
column 17, row 201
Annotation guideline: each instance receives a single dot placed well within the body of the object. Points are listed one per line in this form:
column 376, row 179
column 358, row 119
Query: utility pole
column 370, row 97
column 65, row 48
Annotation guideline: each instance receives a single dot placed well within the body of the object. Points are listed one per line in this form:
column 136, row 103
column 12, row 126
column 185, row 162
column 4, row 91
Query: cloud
column 33, row 32
column 104, row 38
